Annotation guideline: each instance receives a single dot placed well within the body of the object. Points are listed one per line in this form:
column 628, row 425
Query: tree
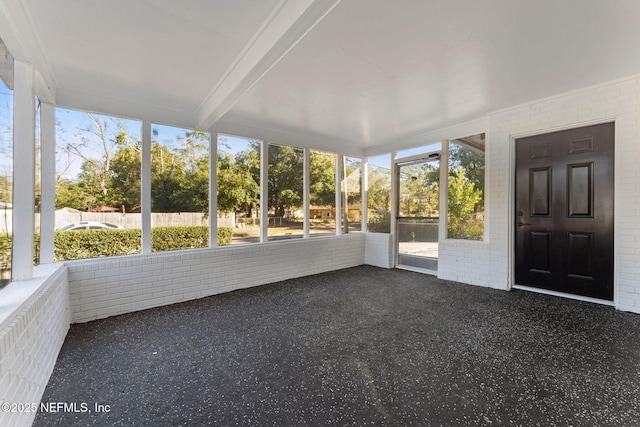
column 472, row 162
column 70, row 194
column 126, row 170
column 285, row 179
column 97, row 157
column 463, row 198
column 379, row 191
column 322, row 179
column 167, row 177
column 237, row 189
column 419, row 190
column 193, row 152
column 97, row 144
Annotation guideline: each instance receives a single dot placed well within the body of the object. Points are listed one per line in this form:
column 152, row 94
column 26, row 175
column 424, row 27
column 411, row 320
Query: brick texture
column 488, row 263
column 30, row 340
column 107, row 287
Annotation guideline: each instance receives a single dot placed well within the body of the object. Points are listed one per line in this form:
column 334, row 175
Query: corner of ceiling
column 458, row 130
column 20, row 34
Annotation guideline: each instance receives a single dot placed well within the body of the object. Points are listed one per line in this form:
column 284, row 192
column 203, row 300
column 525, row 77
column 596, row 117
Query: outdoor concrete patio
column 361, row 346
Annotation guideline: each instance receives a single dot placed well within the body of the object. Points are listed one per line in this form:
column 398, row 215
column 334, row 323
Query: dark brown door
column 564, row 211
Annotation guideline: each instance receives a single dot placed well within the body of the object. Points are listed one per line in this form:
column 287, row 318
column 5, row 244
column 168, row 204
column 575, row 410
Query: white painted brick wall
column 30, row 340
column 488, row 263
column 106, row 287
column 379, row 250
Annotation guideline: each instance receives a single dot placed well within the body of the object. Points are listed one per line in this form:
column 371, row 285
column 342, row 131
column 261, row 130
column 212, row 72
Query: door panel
column 564, row 211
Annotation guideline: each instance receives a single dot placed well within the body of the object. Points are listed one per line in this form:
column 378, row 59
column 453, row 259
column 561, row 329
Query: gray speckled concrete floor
column 362, row 346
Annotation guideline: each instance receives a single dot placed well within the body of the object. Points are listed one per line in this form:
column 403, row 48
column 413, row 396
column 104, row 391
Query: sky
column 6, row 129
column 69, row 125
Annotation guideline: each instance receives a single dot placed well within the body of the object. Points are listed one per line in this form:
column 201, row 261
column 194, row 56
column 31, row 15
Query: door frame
column 512, row 207
column 426, row 157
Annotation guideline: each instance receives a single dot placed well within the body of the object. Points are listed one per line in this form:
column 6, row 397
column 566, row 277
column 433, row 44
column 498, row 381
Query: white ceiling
column 355, row 75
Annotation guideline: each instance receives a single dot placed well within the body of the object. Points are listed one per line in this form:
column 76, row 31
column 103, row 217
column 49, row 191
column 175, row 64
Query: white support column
column 338, row 194
column 24, row 122
column 145, row 184
column 264, row 187
column 344, row 196
column 395, row 183
column 364, row 193
column 306, row 181
column 444, row 190
column 213, row 189
column 48, row 178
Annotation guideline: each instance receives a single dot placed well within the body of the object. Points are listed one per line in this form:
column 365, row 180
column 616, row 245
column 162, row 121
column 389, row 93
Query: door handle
column 522, row 224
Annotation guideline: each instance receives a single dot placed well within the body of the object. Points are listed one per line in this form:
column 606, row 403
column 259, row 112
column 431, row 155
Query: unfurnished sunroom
column 204, row 147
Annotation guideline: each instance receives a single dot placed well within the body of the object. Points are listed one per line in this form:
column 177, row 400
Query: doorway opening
column 418, row 217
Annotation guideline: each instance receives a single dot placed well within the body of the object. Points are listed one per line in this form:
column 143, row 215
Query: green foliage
column 225, row 234
column 285, row 178
column 322, row 179
column 74, row 195
column 6, row 189
column 238, row 189
column 463, row 198
column 379, row 192
column 126, row 169
column 174, row 238
column 81, row 244
column 419, row 190
column 470, row 228
column 472, row 161
column 5, row 258
column 380, row 224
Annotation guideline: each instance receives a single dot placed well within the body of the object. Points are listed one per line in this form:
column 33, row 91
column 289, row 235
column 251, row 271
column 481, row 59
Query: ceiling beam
column 288, row 23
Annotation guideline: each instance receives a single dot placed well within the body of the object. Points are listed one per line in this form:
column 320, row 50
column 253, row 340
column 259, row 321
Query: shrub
column 466, row 228
column 98, row 243
column 5, row 258
column 78, row 244
column 380, row 223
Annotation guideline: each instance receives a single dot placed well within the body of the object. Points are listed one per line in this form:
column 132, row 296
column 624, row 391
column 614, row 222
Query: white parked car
column 90, row 225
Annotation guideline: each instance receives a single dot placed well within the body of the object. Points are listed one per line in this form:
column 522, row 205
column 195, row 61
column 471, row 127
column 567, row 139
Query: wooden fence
column 127, row 220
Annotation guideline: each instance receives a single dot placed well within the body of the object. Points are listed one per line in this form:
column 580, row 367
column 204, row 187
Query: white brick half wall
column 489, row 263
column 30, row 339
column 106, row 287
column 379, row 250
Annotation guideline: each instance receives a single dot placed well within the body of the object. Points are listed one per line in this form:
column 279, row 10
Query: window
column 351, row 195
column 285, row 185
column 6, row 163
column 379, row 194
column 466, row 188
column 179, row 188
column 98, row 163
column 239, row 187
column 322, row 193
